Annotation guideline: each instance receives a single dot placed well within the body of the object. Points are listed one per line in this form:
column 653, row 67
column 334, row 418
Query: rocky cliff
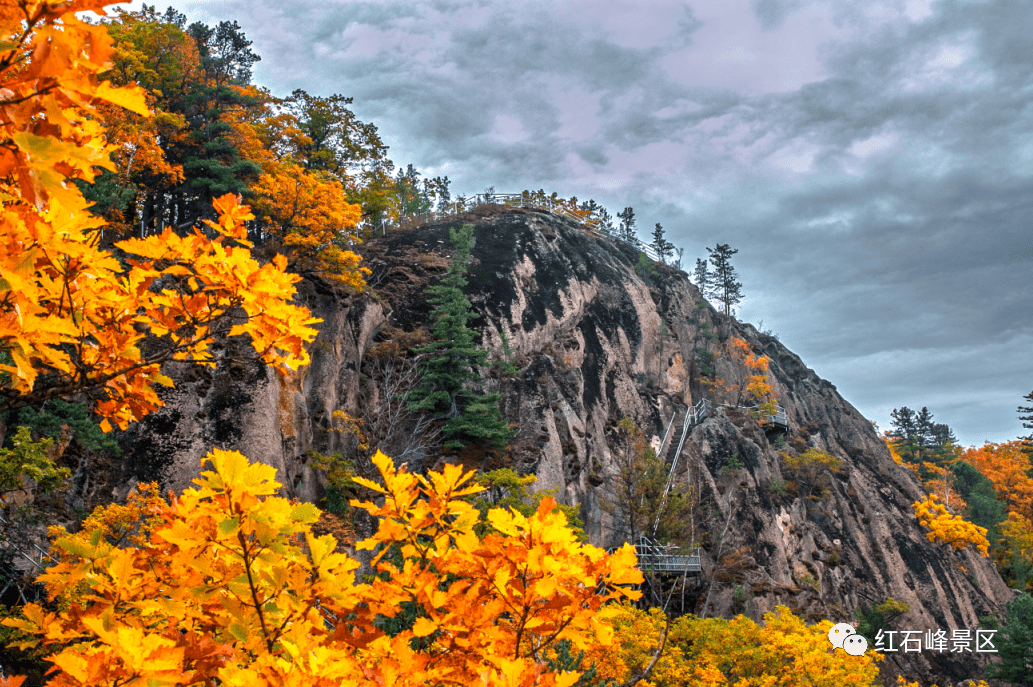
column 595, row 342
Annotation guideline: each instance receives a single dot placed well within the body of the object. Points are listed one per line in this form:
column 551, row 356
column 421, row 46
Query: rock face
column 596, row 342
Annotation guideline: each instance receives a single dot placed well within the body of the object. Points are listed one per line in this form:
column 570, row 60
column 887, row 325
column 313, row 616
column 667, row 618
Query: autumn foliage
column 747, row 380
column 716, row 652
column 73, row 316
column 227, row 583
column 1008, row 467
column 948, row 528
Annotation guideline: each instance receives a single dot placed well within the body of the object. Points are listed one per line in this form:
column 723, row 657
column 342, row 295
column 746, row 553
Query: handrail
column 667, row 433
column 695, row 415
column 531, row 201
column 777, row 417
column 659, row 557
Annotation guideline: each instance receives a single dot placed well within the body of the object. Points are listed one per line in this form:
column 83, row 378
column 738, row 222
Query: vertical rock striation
column 586, row 332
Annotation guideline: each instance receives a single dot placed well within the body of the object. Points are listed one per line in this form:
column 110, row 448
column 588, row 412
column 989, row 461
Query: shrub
column 646, row 270
column 950, row 529
column 811, row 468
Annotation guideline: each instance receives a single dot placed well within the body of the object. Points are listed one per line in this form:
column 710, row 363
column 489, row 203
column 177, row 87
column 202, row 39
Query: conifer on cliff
column 449, row 366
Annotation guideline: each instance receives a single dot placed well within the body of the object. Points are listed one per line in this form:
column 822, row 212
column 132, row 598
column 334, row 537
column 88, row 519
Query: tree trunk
column 148, row 214
column 159, row 217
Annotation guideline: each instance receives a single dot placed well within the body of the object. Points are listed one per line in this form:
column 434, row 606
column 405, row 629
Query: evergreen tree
column 448, row 368
column 634, row 493
column 413, row 200
column 917, row 438
column 726, row 288
column 1014, row 643
column 335, row 141
column 1027, row 422
column 703, row 278
column 606, row 222
column 943, row 445
column 983, row 508
column 676, row 264
column 626, row 230
column 664, row 248
column 923, row 433
column 904, row 431
column 437, row 190
column 212, row 165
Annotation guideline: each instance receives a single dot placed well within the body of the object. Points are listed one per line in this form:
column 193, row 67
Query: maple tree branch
column 254, row 592
column 644, row 674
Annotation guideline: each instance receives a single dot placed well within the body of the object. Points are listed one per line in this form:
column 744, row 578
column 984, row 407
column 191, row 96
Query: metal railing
column 19, row 565
column 531, row 200
column 667, row 434
column 777, row 417
column 693, row 416
column 665, row 558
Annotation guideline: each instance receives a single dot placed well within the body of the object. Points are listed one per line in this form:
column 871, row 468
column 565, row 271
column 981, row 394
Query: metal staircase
column 692, row 417
column 660, row 558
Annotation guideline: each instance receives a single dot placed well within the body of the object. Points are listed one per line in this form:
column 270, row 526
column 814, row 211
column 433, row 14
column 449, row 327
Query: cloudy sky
column 871, row 161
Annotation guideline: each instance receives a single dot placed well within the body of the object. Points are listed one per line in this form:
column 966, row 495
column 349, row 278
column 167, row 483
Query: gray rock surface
column 585, row 329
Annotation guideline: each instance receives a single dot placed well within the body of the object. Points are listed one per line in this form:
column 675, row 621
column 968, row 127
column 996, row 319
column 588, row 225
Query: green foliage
column 633, row 495
column 917, row 438
column 340, row 487
column 1027, row 423
column 702, row 277
column 877, row 617
column 626, row 229
column 448, row 367
column 1014, row 643
column 504, row 488
column 810, row 581
column 479, row 420
column 983, row 508
column 29, row 458
column 745, row 601
column 645, row 269
column 57, row 412
column 812, row 468
column 706, row 362
column 723, row 284
column 733, row 464
column 779, row 486
column 661, row 245
column 505, row 365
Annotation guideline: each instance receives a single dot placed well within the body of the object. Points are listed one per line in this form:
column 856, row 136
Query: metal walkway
column 658, row 558
column 555, row 206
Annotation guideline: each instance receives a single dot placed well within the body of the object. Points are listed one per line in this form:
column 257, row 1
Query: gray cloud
column 872, row 162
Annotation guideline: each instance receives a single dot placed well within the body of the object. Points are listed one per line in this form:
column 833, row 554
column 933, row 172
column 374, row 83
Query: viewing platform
column 666, row 559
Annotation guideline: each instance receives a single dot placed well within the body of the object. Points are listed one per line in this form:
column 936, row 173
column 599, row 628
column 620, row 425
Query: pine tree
column 606, row 222
column 904, row 432
column 448, row 369
column 664, row 248
column 918, row 438
column 1015, row 643
column 212, row 165
column 726, row 288
column 626, row 230
column 702, row 277
column 413, row 200
column 1027, row 423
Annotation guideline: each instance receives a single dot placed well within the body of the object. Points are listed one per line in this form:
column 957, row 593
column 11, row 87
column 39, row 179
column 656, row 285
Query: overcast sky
column 871, row 161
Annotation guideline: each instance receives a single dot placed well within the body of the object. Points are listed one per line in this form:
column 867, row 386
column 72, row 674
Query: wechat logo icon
column 843, row 636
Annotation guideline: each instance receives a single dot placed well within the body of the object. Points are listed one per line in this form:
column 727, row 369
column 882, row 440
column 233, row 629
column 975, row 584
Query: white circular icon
column 855, row 645
column 837, row 633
